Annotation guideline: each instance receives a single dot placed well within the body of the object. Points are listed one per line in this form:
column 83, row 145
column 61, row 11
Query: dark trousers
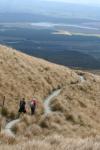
column 32, row 110
column 22, row 109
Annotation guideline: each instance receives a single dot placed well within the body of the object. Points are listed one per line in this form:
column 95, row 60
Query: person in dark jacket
column 22, row 106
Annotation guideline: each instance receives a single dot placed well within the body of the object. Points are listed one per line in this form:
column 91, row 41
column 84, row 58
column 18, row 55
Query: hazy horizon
column 89, row 2
column 30, row 4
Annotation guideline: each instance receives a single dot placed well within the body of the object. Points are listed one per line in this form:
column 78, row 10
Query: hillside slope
column 76, row 109
column 25, row 76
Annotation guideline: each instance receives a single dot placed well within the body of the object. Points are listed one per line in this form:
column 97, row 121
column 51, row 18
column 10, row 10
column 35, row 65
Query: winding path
column 82, row 79
column 9, row 126
column 47, row 109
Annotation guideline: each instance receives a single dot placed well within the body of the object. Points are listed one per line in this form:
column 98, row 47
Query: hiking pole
column 3, row 102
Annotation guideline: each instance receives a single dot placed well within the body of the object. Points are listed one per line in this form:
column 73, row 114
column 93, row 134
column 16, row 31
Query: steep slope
column 25, row 76
column 74, row 112
column 80, row 105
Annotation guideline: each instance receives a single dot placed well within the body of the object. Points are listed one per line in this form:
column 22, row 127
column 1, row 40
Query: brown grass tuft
column 5, row 139
column 19, row 128
column 57, row 142
column 2, row 122
column 35, row 130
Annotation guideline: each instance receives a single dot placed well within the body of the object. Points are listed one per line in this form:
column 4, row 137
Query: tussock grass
column 4, row 111
column 5, row 139
column 76, row 110
column 35, row 130
column 79, row 103
column 19, row 128
column 25, row 76
column 57, row 142
column 2, row 122
column 24, row 125
column 28, row 119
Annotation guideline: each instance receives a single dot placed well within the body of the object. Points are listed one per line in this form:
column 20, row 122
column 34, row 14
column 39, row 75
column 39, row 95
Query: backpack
column 33, row 102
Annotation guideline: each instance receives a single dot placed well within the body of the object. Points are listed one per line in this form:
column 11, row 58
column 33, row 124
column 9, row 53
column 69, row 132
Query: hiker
column 22, row 106
column 33, row 106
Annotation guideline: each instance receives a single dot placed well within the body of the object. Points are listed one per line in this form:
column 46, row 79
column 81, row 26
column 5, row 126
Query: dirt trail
column 82, row 79
column 47, row 110
column 48, row 100
column 9, row 126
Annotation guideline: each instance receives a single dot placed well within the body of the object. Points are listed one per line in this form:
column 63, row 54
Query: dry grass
column 25, row 123
column 2, row 122
column 79, row 103
column 5, row 139
column 76, row 109
column 49, row 120
column 57, row 142
column 25, row 76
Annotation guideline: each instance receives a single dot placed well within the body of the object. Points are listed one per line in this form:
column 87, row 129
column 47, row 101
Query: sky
column 69, row 1
column 79, row 1
column 30, row 5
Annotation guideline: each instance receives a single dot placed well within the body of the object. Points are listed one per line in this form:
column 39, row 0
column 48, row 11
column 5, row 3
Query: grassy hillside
column 57, row 142
column 25, row 76
column 75, row 111
column 79, row 104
